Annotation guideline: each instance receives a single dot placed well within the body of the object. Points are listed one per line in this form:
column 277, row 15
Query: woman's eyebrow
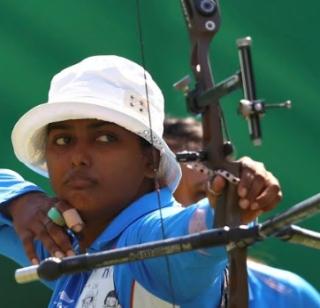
column 99, row 124
column 65, row 126
column 53, row 126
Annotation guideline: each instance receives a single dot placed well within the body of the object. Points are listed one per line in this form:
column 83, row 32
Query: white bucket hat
column 108, row 88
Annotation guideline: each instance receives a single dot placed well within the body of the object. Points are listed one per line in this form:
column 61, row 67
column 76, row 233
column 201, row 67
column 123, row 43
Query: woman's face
column 98, row 167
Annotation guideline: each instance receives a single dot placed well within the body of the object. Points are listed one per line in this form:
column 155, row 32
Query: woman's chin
column 80, row 201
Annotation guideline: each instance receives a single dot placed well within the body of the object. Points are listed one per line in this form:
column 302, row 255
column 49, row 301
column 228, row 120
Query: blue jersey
column 192, row 279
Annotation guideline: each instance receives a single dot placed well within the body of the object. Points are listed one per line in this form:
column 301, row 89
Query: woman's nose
column 81, row 155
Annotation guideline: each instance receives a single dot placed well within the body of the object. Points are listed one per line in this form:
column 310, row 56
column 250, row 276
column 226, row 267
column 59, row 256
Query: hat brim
column 29, row 133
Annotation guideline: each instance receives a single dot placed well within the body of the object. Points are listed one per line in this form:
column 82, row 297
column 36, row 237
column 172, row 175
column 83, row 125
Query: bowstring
column 154, row 166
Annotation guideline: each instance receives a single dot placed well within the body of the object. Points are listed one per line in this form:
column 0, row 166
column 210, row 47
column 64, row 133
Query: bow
column 203, row 21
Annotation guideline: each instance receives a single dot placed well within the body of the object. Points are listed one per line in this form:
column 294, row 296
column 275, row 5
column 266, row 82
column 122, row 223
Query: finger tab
column 73, row 220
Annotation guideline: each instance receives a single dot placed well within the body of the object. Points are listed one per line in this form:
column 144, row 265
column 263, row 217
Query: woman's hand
column 259, row 190
column 30, row 220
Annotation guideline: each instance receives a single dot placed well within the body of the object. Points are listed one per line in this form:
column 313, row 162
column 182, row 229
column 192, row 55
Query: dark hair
column 144, row 143
column 182, row 134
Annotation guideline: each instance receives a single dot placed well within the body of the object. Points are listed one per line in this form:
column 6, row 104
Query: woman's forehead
column 89, row 123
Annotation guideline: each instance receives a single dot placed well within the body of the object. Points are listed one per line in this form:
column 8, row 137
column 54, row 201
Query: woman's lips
column 79, row 181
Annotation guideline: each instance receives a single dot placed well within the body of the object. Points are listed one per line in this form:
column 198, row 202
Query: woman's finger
column 60, row 238
column 27, row 241
column 70, row 216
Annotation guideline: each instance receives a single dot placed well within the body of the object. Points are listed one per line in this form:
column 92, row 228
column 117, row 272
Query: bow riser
column 203, row 22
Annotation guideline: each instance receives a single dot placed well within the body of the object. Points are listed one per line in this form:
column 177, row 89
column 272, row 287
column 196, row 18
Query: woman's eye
column 106, row 138
column 62, row 140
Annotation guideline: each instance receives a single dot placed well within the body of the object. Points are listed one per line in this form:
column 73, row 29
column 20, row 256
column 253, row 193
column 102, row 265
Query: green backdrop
column 38, row 38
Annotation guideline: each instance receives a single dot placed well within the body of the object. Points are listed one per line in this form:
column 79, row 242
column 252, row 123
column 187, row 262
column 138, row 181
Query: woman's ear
column 152, row 162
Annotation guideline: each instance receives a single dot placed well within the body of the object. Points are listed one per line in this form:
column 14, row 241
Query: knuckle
column 59, row 237
column 50, row 227
column 62, row 239
column 55, row 230
column 259, row 177
column 245, row 159
column 279, row 196
column 36, row 217
column 251, row 164
column 258, row 166
column 65, row 245
column 42, row 233
column 275, row 188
